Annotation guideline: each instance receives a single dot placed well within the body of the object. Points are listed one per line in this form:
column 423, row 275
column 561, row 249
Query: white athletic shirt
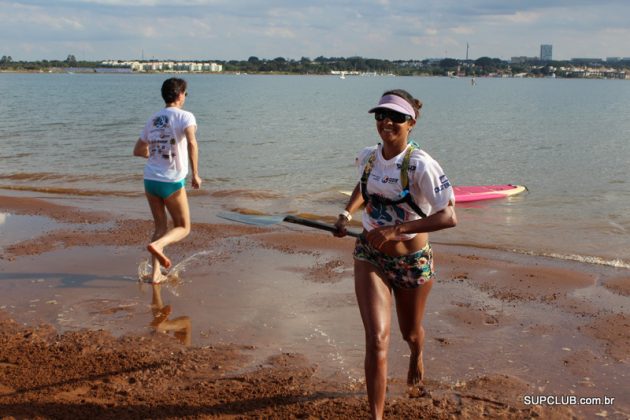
column 168, row 148
column 430, row 189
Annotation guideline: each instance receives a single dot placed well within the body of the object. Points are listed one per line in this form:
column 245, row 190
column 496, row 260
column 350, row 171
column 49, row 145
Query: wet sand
column 259, row 322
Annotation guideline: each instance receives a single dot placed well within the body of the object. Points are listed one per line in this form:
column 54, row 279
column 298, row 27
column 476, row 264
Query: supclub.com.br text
column 566, row 400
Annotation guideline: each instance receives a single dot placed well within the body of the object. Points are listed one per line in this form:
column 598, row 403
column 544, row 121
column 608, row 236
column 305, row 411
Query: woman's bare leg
column 177, row 206
column 160, row 220
column 375, row 303
column 410, row 308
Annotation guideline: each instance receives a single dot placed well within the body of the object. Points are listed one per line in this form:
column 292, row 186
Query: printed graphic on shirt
column 384, row 214
column 411, row 168
column 161, row 138
column 389, row 180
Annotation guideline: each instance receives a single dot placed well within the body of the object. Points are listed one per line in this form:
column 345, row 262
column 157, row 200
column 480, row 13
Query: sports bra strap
column 405, row 196
column 404, row 169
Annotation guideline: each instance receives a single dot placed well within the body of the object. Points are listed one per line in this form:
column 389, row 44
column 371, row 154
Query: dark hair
column 416, row 104
column 172, row 88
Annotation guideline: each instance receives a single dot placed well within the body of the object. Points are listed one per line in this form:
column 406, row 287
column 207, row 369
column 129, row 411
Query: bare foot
column 418, row 391
column 159, row 278
column 416, row 370
column 163, row 259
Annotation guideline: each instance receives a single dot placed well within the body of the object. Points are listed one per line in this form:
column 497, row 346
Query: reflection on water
column 17, row 227
column 181, row 327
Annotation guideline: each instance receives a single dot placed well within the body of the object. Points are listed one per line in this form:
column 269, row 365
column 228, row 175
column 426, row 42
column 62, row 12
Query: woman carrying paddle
column 406, row 195
column 168, row 141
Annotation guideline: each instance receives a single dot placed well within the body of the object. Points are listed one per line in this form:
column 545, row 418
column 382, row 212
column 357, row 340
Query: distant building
column 545, row 52
column 587, row 72
column 166, row 66
column 588, row 61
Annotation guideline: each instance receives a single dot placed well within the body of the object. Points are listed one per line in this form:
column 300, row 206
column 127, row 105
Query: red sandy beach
column 262, row 322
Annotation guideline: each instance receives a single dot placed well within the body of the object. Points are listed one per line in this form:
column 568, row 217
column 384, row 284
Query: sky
column 384, row 29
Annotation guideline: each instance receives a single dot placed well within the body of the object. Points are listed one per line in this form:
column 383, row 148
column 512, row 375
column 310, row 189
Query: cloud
column 463, row 30
column 237, row 29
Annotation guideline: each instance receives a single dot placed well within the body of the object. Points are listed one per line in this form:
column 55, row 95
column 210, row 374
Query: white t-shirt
column 429, row 188
column 168, row 148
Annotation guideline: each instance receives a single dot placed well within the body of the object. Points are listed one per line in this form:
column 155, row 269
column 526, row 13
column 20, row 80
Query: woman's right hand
column 196, row 182
column 340, row 225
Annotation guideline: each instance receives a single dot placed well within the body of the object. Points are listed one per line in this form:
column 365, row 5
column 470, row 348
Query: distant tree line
column 7, row 63
column 482, row 66
column 324, row 65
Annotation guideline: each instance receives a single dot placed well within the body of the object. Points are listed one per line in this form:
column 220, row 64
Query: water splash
column 144, row 271
column 172, row 278
column 181, row 266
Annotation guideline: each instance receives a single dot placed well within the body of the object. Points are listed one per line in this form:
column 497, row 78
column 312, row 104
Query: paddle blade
column 251, row 219
column 258, row 220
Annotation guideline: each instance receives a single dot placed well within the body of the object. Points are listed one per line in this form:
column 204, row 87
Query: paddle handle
column 316, row 225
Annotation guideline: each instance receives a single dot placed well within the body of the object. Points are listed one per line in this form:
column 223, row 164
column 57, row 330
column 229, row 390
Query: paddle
column 272, row 220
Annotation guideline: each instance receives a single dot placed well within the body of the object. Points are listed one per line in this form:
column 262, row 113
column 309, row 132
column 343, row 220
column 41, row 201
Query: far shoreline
column 95, row 71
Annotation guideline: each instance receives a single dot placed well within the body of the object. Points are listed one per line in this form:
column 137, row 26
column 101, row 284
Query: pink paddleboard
column 468, row 193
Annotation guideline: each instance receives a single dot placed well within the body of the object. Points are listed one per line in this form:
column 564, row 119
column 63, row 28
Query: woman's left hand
column 377, row 237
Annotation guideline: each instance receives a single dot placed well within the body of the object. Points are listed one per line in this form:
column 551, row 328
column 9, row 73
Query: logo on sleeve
column 444, row 184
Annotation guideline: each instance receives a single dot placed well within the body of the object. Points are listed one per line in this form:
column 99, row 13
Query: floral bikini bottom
column 405, row 271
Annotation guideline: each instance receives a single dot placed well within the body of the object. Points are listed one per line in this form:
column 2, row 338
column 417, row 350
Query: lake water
column 286, row 144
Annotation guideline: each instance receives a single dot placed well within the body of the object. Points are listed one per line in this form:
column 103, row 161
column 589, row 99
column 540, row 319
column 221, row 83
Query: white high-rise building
column 545, row 52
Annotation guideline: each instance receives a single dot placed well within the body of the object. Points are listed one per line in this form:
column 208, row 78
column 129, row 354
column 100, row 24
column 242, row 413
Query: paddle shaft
column 316, row 225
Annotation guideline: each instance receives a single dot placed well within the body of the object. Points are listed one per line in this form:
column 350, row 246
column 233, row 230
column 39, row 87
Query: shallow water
column 286, row 144
column 16, row 228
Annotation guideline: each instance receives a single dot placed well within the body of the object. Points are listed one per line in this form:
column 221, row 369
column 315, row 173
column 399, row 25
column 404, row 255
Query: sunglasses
column 395, row 117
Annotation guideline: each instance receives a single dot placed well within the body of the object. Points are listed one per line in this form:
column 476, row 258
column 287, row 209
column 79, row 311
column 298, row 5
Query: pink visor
column 395, row 103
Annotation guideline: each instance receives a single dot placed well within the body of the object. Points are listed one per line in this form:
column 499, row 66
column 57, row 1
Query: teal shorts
column 163, row 189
